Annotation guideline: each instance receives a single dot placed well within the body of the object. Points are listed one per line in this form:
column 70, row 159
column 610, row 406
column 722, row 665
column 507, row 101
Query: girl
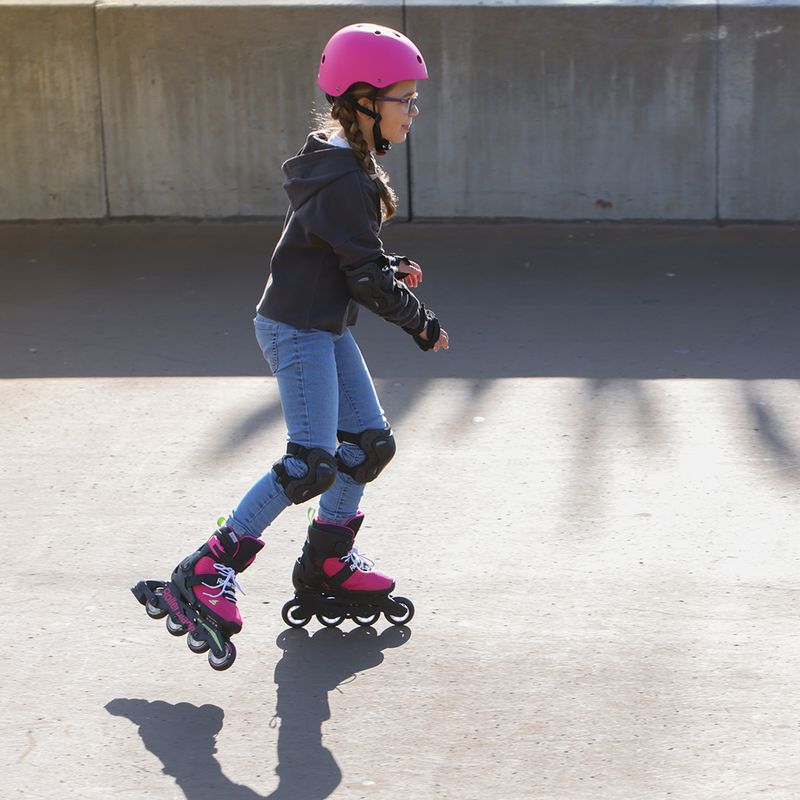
column 328, row 261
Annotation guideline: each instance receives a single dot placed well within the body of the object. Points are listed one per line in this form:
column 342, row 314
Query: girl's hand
column 442, row 343
column 410, row 273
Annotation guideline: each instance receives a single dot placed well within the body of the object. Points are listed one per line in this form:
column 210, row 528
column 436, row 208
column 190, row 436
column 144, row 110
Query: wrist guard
column 429, row 324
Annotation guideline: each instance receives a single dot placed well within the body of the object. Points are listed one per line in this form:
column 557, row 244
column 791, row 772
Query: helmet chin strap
column 382, row 146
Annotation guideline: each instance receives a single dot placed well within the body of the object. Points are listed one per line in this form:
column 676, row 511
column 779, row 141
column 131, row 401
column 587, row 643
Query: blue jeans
column 324, row 386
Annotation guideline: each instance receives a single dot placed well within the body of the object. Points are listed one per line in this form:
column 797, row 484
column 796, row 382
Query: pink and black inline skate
column 200, row 598
column 334, row 581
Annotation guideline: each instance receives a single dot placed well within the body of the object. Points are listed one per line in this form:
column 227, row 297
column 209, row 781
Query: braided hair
column 343, row 112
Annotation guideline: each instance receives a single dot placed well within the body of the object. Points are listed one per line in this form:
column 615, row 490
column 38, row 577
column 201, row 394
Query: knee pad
column 378, row 446
column 319, row 478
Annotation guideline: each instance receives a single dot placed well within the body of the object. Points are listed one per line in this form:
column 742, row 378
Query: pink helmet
column 371, row 54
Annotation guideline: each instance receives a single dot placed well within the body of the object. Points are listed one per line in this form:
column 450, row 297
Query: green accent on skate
column 220, row 521
column 312, row 512
column 213, row 636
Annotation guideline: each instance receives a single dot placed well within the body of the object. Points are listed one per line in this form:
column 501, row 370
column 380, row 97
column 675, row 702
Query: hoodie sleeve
column 347, row 217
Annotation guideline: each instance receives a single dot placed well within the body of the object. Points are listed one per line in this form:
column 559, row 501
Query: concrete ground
column 594, row 507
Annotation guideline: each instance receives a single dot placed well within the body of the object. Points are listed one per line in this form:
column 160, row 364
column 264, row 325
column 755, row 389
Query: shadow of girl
column 183, row 736
column 312, row 667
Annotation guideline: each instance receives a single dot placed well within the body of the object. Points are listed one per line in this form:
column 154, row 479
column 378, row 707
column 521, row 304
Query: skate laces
column 358, row 560
column 226, row 584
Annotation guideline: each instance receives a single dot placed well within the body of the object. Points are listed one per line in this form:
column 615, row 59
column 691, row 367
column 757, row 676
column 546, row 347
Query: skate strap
column 338, row 578
column 354, row 561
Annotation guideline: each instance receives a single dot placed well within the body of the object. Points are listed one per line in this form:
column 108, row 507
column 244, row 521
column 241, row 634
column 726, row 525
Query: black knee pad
column 378, row 446
column 319, row 478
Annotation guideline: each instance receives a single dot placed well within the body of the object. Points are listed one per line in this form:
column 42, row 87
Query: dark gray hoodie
column 330, row 235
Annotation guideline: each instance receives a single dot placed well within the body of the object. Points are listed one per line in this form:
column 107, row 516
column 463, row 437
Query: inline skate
column 200, row 598
column 334, row 581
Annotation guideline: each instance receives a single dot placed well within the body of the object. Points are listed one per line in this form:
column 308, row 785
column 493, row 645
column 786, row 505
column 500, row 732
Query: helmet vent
column 419, row 58
column 323, row 58
column 377, row 33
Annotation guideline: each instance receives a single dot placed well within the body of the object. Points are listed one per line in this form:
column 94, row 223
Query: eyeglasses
column 409, row 102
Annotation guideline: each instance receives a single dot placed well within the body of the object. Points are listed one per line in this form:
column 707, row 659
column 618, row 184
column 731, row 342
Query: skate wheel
column 154, row 612
column 403, row 617
column 176, row 628
column 367, row 620
column 293, row 616
column 220, row 663
column 196, row 645
column 330, row 621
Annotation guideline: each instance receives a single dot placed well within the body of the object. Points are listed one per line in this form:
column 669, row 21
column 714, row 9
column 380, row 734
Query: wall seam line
column 409, row 140
column 717, row 100
column 103, row 148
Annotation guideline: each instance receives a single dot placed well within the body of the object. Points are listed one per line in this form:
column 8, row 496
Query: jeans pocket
column 267, row 337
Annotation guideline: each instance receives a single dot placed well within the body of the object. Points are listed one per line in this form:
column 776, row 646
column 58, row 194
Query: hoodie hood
column 314, row 167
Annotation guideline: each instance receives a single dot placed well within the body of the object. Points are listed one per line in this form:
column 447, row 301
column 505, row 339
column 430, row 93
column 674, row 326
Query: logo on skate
column 175, row 608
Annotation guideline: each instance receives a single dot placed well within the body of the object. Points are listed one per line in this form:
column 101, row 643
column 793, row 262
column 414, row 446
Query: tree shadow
column 612, row 304
column 590, row 480
column 183, row 736
column 772, row 432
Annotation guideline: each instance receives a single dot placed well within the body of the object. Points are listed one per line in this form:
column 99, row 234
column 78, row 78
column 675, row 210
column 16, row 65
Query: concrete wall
column 567, row 112
column 759, row 112
column 51, row 149
column 542, row 109
column 204, row 103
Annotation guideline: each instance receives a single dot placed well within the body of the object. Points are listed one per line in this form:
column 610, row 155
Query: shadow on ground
column 183, row 736
column 519, row 300
column 612, row 305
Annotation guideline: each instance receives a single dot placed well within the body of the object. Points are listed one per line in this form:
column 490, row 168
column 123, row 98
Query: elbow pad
column 373, row 286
